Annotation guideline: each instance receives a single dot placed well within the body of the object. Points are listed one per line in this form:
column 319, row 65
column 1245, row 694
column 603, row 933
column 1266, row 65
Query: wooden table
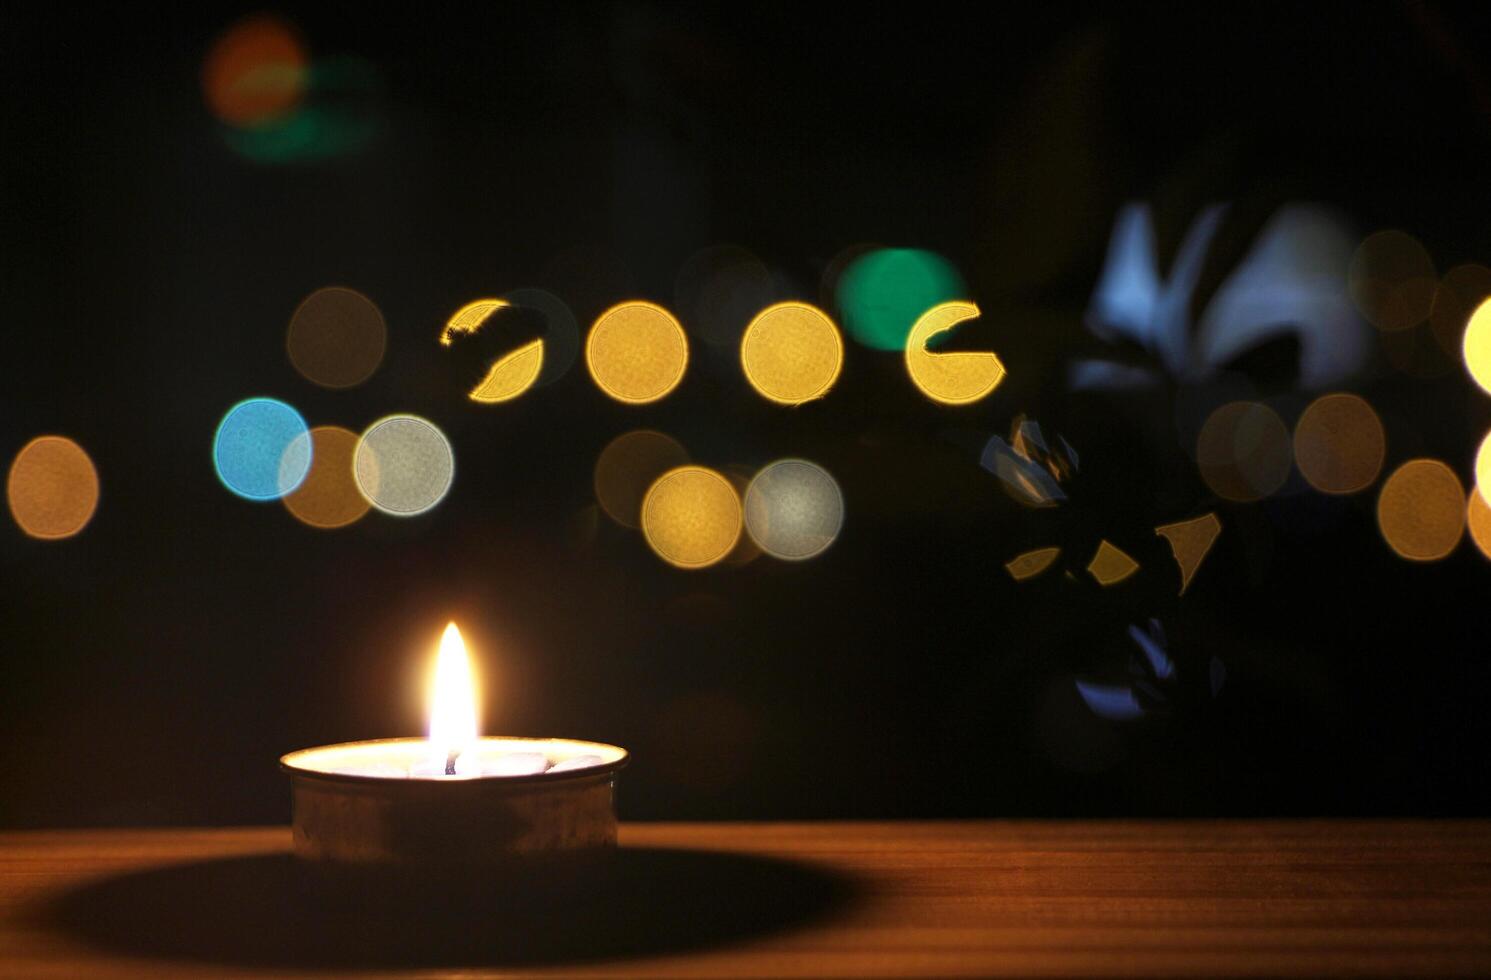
column 801, row 899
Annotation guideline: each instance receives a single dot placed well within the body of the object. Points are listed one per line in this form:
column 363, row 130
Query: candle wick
column 450, row 762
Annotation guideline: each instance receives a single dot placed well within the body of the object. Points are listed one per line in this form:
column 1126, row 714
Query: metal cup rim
column 287, row 764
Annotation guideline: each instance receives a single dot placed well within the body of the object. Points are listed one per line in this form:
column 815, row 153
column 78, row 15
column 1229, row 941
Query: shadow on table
column 262, row 910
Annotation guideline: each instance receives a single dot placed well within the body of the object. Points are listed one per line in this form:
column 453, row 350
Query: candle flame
column 453, row 727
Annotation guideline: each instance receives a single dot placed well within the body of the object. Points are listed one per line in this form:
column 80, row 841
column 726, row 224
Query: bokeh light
column 691, row 517
column 277, row 106
column 630, row 464
column 719, row 289
column 1190, row 541
column 637, row 352
column 1244, row 451
column 1339, row 444
column 882, row 293
column 956, row 377
column 469, row 319
column 1031, row 563
column 1477, row 346
column 337, row 337
column 1392, row 280
column 539, row 362
column 1462, row 289
column 1110, row 565
column 793, row 509
column 1478, row 519
column 1421, row 510
column 1483, row 466
column 52, row 488
column 262, row 449
column 328, row 497
column 311, row 132
column 511, row 375
column 404, row 465
column 255, row 71
column 792, row 353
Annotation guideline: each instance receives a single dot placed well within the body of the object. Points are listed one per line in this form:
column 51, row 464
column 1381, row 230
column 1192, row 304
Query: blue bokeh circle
column 262, row 449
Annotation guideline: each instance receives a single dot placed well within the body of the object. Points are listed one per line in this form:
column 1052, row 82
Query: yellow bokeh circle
column 1421, row 510
column 511, row 375
column 1476, row 345
column 1478, row 519
column 1339, row 444
column 469, row 318
column 637, row 352
column 692, row 517
column 955, row 377
column 1483, row 466
column 792, row 353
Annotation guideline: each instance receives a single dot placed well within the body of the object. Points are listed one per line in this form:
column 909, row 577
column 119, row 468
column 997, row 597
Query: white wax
column 514, row 764
column 490, row 756
column 578, row 762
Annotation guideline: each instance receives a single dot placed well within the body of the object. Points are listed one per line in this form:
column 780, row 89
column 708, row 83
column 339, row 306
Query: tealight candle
column 455, row 801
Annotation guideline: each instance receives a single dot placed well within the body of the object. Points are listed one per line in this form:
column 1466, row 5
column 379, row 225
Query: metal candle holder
column 356, row 808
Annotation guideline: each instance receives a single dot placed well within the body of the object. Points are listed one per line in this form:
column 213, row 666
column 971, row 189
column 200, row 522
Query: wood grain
column 860, row 899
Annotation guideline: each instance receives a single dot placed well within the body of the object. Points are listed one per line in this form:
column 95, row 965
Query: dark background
column 154, row 667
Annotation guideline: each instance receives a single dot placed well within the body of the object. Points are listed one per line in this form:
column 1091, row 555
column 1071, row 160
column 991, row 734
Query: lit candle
column 455, row 799
column 453, row 728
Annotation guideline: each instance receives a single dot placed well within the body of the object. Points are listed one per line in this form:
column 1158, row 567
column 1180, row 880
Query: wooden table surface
column 802, row 899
